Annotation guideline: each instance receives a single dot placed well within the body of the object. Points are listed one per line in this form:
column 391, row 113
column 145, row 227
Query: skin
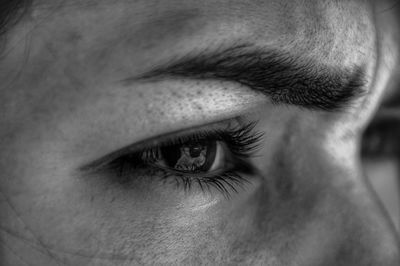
column 63, row 105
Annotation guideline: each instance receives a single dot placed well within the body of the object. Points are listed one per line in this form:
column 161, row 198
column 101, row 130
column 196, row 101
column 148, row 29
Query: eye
column 206, row 158
column 193, row 157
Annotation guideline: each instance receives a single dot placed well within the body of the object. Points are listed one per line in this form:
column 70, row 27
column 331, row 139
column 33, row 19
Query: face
column 192, row 132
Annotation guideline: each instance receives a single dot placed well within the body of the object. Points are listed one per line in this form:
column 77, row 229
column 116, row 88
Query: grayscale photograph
column 200, row 132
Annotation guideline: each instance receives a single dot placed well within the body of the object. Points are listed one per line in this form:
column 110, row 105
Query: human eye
column 214, row 157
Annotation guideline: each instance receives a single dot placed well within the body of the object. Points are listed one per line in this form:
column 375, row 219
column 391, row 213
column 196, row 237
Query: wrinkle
column 37, row 247
column 20, row 258
column 39, row 243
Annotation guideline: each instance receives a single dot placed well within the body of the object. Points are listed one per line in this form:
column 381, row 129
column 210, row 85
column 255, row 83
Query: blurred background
column 381, row 154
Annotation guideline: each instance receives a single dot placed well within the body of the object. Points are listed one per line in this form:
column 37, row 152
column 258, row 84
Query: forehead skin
column 62, row 104
column 338, row 34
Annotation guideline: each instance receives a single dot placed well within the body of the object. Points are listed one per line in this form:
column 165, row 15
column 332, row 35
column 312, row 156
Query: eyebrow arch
column 282, row 77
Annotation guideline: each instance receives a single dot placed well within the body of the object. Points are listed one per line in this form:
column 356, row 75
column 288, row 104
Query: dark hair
column 10, row 12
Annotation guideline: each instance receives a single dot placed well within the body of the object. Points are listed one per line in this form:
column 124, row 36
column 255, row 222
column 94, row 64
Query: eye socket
column 192, row 157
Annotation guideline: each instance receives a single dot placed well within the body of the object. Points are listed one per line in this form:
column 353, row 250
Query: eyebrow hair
column 284, row 78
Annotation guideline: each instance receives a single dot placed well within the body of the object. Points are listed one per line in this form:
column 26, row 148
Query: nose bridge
column 368, row 234
column 378, row 227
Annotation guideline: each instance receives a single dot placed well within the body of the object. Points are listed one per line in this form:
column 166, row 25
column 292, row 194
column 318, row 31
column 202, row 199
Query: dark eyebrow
column 284, row 78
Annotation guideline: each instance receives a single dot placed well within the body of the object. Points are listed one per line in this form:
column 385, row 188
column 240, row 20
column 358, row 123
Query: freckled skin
column 65, row 105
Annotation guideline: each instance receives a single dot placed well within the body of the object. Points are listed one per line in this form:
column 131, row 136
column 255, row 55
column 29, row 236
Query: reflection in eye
column 207, row 158
column 192, row 157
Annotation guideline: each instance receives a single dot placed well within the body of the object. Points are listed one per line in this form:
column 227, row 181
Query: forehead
column 334, row 31
column 71, row 49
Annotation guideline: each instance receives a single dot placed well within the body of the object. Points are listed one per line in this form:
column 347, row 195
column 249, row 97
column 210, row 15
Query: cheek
column 91, row 215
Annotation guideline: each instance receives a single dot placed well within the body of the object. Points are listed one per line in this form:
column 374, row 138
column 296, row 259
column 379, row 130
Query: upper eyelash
column 241, row 140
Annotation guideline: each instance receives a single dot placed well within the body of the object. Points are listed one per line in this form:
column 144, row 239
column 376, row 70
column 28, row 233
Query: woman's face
column 191, row 132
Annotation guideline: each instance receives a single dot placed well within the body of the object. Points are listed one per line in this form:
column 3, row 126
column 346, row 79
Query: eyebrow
column 282, row 77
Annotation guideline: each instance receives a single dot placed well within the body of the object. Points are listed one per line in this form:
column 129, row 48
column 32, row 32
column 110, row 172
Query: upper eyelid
column 152, row 142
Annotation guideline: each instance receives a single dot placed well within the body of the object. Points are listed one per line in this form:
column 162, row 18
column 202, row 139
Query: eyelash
column 241, row 142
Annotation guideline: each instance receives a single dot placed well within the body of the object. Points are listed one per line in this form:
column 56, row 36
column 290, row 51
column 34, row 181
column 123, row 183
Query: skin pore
column 65, row 103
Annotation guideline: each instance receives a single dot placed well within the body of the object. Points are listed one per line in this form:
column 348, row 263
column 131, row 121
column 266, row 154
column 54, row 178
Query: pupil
column 195, row 150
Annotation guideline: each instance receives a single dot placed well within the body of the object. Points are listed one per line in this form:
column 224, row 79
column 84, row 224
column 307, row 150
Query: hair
column 10, row 13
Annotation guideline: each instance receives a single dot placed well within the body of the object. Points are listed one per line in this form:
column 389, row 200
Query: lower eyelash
column 241, row 142
column 226, row 182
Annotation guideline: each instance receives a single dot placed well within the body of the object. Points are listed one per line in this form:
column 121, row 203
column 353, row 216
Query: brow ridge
column 284, row 78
